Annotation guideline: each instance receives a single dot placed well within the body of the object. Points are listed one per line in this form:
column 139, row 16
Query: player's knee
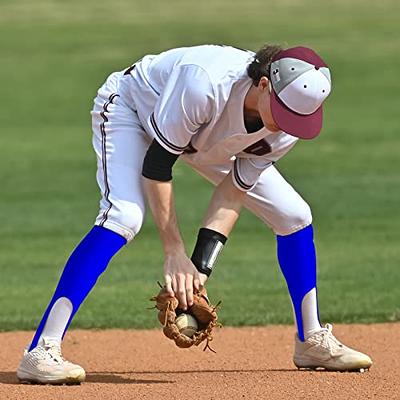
column 295, row 218
column 301, row 217
column 125, row 219
column 131, row 217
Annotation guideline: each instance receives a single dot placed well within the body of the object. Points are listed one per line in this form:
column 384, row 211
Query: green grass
column 54, row 56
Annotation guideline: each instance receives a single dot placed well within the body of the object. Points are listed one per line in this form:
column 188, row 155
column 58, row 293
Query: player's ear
column 263, row 83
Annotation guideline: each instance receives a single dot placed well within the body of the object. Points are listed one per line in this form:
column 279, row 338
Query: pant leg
column 280, row 207
column 120, row 144
column 273, row 199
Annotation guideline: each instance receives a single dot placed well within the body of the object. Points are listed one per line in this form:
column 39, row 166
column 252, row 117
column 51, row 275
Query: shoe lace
column 53, row 349
column 328, row 339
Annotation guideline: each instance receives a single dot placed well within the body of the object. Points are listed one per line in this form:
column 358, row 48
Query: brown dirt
column 251, row 363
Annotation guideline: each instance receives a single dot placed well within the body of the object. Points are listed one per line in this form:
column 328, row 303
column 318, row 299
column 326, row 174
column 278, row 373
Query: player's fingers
column 182, row 291
column 174, row 285
column 168, row 284
column 196, row 281
column 189, row 289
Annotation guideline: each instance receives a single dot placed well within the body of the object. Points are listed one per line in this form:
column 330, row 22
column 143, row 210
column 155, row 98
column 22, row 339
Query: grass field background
column 54, row 56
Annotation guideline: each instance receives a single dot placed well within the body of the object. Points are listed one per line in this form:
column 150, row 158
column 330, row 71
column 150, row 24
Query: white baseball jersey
column 192, row 100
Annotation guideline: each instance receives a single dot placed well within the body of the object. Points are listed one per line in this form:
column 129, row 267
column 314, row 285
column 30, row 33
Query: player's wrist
column 174, row 249
column 208, row 246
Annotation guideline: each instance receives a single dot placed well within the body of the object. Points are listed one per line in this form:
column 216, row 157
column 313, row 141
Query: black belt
column 130, row 69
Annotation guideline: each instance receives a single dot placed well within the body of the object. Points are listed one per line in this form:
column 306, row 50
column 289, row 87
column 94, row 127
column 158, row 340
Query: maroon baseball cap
column 300, row 81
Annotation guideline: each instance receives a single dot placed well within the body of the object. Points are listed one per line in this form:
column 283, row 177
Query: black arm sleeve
column 158, row 163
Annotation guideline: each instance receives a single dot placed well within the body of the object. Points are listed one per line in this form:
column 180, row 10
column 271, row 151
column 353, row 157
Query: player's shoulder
column 193, row 83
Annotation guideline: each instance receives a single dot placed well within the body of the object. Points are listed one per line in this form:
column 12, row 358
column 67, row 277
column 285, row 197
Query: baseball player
column 230, row 114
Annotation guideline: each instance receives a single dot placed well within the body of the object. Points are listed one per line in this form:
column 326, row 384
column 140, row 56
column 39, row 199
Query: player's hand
column 203, row 279
column 181, row 277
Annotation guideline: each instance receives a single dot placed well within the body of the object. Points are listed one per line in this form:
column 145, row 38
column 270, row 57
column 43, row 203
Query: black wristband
column 208, row 246
column 158, row 163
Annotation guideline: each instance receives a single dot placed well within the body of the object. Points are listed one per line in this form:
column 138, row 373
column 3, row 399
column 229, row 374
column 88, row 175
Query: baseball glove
column 204, row 313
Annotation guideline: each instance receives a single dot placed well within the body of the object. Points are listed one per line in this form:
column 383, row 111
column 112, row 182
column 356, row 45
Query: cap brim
column 301, row 126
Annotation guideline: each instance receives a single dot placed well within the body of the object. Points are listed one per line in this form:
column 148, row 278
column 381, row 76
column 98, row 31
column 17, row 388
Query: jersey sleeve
column 185, row 104
column 246, row 171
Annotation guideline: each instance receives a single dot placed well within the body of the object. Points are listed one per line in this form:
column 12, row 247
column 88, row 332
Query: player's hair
column 261, row 64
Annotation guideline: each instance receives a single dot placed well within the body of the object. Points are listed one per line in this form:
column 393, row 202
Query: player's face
column 264, row 105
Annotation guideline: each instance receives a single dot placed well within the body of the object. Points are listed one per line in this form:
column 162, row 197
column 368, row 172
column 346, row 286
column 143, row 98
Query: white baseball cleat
column 45, row 364
column 323, row 350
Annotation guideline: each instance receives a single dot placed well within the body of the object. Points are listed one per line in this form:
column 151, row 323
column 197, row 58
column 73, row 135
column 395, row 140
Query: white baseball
column 186, row 324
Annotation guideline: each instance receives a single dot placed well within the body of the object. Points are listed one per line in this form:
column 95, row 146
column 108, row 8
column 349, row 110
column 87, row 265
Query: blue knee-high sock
column 297, row 258
column 87, row 262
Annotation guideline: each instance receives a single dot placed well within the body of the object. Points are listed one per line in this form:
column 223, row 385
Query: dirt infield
column 251, row 363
